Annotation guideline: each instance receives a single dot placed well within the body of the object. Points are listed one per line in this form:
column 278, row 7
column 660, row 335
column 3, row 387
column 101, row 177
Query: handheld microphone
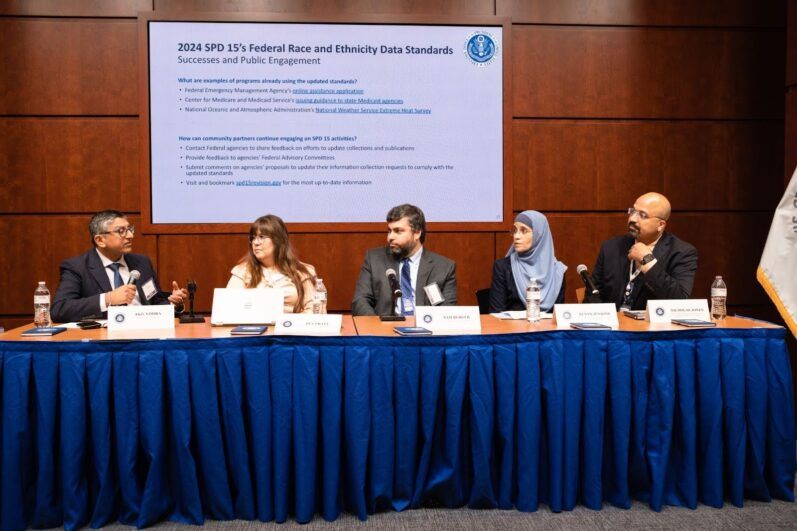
column 134, row 276
column 394, row 283
column 587, row 279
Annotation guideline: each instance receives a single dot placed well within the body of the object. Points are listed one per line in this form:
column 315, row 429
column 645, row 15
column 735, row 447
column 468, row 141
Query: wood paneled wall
column 610, row 100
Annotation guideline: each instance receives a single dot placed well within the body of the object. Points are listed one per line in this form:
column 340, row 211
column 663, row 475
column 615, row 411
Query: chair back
column 483, row 298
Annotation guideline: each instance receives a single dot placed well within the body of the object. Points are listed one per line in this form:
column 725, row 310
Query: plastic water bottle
column 719, row 296
column 41, row 306
column 320, row 297
column 533, row 296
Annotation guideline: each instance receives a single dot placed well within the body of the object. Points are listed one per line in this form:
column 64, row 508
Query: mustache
column 632, row 225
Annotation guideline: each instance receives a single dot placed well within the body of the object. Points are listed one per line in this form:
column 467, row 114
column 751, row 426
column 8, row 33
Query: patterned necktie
column 117, row 277
column 406, row 289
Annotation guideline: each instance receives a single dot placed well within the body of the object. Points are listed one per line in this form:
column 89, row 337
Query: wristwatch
column 648, row 258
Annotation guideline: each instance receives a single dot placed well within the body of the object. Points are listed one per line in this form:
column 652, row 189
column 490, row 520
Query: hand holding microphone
column 125, row 293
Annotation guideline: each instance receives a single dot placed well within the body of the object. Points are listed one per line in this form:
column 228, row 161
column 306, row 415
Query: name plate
column 309, row 324
column 604, row 313
column 155, row 317
column 664, row 310
column 441, row 319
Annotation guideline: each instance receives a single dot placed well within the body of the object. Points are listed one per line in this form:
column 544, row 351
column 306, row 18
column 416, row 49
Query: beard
column 401, row 252
column 633, row 229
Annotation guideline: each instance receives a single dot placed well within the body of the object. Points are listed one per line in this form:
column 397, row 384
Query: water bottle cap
column 41, row 283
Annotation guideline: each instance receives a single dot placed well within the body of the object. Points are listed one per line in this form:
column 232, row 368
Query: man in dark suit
column 425, row 278
column 97, row 279
column 647, row 263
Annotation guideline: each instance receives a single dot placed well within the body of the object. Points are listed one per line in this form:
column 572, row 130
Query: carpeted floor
column 754, row 515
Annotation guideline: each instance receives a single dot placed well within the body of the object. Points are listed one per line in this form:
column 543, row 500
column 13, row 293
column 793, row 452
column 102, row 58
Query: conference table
column 192, row 424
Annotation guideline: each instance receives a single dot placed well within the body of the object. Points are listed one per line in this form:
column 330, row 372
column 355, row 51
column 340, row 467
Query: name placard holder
column 665, row 310
column 449, row 319
column 308, row 324
column 154, row 317
column 603, row 313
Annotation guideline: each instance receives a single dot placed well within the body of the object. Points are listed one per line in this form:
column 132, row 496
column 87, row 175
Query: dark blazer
column 671, row 278
column 372, row 295
column 83, row 279
column 503, row 293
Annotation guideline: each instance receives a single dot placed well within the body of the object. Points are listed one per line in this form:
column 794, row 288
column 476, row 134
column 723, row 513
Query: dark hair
column 413, row 214
column 285, row 259
column 99, row 222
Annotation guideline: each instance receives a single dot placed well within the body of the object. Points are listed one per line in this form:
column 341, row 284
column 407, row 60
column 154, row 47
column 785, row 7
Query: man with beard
column 647, row 263
column 419, row 270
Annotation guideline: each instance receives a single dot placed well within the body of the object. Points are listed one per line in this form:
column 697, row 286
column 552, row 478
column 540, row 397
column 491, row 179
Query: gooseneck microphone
column 392, row 279
column 134, row 276
column 587, row 279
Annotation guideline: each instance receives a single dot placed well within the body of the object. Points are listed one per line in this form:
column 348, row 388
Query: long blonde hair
column 285, row 259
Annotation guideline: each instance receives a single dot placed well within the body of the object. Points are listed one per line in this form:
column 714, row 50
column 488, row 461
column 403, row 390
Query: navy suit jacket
column 503, row 293
column 372, row 295
column 83, row 279
column 671, row 278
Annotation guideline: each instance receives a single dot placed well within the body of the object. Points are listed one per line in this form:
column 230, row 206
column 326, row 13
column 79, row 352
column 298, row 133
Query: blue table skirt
column 266, row 428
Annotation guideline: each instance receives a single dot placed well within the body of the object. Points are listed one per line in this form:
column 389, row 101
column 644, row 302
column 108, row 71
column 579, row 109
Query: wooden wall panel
column 728, row 244
column 734, row 13
column 336, row 257
column 68, row 67
column 339, row 7
column 791, row 44
column 647, row 73
column 34, row 246
column 605, row 165
column 790, row 163
column 69, row 165
column 75, row 8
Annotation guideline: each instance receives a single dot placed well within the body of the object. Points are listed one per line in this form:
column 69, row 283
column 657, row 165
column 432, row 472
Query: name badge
column 155, row 317
column 433, row 294
column 604, row 313
column 448, row 319
column 664, row 310
column 309, row 324
column 149, row 289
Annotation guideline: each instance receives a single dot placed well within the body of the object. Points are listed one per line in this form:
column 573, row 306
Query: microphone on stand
column 395, row 288
column 592, row 294
column 191, row 318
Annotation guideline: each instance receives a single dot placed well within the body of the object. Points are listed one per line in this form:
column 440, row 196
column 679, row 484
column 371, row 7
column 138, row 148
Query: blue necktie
column 117, row 277
column 406, row 288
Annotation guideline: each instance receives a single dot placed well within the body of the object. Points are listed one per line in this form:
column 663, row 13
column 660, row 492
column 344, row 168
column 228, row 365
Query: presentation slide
column 324, row 123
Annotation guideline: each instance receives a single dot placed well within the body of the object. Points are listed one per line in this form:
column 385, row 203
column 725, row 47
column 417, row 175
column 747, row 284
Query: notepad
column 694, row 323
column 248, row 330
column 590, row 326
column 43, row 331
column 412, row 331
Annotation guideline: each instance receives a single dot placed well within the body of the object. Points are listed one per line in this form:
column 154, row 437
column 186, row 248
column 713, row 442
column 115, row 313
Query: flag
column 777, row 271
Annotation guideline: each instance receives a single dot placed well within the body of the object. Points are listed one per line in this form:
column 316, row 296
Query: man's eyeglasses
column 641, row 213
column 122, row 231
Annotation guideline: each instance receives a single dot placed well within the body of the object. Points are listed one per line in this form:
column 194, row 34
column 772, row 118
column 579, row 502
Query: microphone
column 134, row 276
column 394, row 283
column 587, row 279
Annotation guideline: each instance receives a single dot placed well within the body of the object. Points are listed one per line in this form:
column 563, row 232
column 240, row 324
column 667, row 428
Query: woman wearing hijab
column 531, row 256
column 272, row 263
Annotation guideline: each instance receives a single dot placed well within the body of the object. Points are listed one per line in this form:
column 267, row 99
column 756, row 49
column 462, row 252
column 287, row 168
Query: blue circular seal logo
column 481, row 48
column 427, row 318
column 659, row 311
column 287, row 324
column 120, row 317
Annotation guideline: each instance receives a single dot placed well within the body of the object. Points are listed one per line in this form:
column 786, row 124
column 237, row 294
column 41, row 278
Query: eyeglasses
column 641, row 213
column 257, row 239
column 122, row 231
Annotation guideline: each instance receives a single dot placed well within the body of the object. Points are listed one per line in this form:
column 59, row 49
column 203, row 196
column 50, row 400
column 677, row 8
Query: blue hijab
column 538, row 262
